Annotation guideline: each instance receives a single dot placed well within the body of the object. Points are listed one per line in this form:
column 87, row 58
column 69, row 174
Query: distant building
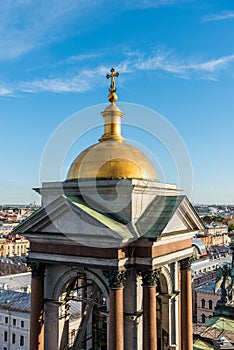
column 206, row 300
column 204, row 275
column 17, row 246
column 214, row 234
column 20, row 282
column 14, row 320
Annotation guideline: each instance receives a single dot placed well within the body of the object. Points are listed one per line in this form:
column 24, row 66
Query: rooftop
column 208, row 287
column 16, row 301
column 205, row 264
column 16, row 282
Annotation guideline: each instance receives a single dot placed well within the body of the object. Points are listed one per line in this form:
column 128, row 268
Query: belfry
column 110, row 252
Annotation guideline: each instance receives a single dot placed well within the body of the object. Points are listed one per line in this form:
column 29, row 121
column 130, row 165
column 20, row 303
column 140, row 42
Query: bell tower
column 111, row 271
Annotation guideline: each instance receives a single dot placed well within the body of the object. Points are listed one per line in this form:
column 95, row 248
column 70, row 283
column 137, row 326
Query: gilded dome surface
column 112, row 160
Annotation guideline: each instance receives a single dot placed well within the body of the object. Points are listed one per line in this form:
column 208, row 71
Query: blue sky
column 174, row 56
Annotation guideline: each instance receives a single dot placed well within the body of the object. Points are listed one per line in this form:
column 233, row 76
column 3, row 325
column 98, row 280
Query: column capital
column 185, row 264
column 150, row 277
column 37, row 269
column 115, row 278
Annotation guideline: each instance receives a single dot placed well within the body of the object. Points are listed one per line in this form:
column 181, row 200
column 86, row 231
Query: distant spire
column 112, row 97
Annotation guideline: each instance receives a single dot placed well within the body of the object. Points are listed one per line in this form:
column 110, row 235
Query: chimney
column 222, row 344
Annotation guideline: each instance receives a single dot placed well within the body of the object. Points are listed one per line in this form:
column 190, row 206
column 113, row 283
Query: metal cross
column 112, row 76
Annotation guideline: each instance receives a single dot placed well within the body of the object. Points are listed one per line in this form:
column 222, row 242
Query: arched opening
column 210, row 304
column 203, row 318
column 87, row 310
column 163, row 311
column 82, row 309
column 203, row 303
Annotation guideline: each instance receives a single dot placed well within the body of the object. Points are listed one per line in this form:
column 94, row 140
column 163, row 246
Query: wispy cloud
column 26, row 24
column 161, row 60
column 82, row 57
column 144, row 4
column 165, row 61
column 58, row 85
column 213, row 65
column 84, row 81
column 29, row 24
column 4, row 91
column 219, row 17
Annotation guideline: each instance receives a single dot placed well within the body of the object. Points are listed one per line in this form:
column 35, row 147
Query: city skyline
column 173, row 56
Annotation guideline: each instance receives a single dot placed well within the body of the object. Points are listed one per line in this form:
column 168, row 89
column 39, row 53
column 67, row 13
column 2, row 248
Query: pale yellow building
column 17, row 247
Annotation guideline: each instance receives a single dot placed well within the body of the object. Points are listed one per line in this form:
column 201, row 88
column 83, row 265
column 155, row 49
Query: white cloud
column 4, row 91
column 161, row 60
column 59, row 85
column 82, row 57
column 219, row 17
column 166, row 62
column 26, row 24
column 144, row 4
column 213, row 65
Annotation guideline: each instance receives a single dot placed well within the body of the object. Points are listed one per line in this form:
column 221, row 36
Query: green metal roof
column 114, row 225
column 221, row 322
column 157, row 215
column 202, row 345
column 150, row 224
column 27, row 219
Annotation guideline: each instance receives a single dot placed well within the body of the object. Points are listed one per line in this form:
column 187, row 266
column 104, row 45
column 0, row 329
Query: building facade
column 14, row 320
column 116, row 240
column 206, row 299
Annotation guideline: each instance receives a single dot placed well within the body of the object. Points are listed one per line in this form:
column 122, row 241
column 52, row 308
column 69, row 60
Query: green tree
column 230, row 227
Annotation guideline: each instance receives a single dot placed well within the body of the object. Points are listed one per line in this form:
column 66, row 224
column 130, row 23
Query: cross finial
column 112, row 95
column 112, row 76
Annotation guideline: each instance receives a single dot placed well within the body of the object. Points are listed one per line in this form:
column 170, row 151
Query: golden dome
column 112, row 158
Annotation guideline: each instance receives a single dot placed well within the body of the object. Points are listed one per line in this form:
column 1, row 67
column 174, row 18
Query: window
column 21, row 340
column 5, row 336
column 14, row 322
column 13, row 338
column 203, row 303
column 210, row 304
column 6, row 319
column 203, row 318
column 22, row 324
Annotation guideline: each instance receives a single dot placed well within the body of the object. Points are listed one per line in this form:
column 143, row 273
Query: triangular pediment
column 73, row 219
column 168, row 214
column 184, row 218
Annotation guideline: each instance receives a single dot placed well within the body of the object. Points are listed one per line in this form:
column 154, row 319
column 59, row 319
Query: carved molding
column 185, row 264
column 115, row 278
column 150, row 277
column 37, row 269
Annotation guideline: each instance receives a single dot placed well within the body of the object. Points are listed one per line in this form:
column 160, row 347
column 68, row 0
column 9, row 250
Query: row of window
column 203, row 304
column 14, row 322
column 13, row 338
column 203, row 318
